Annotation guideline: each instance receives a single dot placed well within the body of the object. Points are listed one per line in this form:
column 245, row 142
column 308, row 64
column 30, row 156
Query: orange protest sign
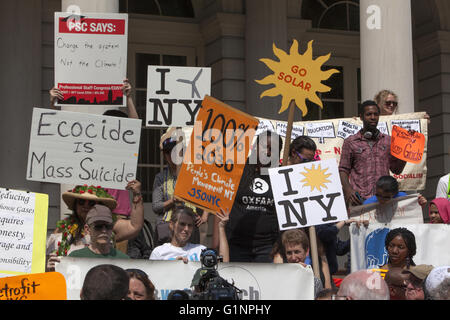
column 406, row 146
column 216, row 156
column 35, row 286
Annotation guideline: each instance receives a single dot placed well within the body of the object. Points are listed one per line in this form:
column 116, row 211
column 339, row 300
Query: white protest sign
column 407, row 124
column 347, row 129
column 296, row 130
column 399, row 210
column 91, row 58
column 383, row 127
column 256, row 280
column 175, row 94
column 264, row 125
column 23, row 229
column 308, row 194
column 79, row 148
column 368, row 244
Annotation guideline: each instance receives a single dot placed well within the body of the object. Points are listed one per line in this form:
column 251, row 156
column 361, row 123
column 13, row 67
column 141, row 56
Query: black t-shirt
column 253, row 219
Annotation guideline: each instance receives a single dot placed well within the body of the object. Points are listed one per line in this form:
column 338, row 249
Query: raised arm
column 126, row 89
column 224, row 249
column 129, row 229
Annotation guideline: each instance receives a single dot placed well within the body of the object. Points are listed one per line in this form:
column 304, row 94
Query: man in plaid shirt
column 366, row 156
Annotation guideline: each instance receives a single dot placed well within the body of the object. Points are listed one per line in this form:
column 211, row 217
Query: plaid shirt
column 365, row 164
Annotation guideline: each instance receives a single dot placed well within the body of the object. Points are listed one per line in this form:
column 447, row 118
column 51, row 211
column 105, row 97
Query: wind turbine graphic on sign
column 297, row 77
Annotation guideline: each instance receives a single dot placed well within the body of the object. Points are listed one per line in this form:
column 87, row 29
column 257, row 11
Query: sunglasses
column 82, row 202
column 303, row 159
column 388, row 103
column 99, row 227
column 137, row 271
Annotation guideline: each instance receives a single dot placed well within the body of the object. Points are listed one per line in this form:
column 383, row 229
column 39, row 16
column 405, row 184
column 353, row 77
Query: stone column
column 266, row 24
column 88, row 6
column 387, row 50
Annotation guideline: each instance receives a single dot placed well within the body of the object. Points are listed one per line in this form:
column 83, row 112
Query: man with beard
column 366, row 156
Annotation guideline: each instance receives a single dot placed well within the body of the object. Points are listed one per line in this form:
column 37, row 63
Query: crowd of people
column 249, row 232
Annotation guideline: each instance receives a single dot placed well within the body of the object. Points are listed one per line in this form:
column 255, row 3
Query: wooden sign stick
column 312, row 229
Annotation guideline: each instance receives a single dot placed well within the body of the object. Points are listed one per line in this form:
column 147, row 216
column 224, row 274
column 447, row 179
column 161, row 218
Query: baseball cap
column 420, row 271
column 99, row 213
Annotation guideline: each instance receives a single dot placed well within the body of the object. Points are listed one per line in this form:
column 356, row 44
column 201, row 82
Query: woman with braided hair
column 400, row 244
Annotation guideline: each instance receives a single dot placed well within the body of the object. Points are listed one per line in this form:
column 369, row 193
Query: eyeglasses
column 303, row 159
column 388, row 103
column 137, row 271
column 82, row 202
column 99, row 227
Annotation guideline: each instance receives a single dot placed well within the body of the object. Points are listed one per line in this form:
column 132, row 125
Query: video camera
column 207, row 283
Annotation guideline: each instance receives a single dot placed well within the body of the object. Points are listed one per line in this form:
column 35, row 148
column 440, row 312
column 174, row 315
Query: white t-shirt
column 442, row 187
column 167, row 251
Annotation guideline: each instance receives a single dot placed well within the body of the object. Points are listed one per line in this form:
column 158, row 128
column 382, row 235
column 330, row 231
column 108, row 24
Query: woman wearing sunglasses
column 388, row 103
column 70, row 233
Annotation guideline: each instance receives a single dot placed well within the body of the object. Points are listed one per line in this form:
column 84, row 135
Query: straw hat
column 89, row 193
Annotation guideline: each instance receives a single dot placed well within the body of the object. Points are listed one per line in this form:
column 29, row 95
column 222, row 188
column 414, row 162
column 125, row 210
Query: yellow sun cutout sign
column 316, row 178
column 296, row 77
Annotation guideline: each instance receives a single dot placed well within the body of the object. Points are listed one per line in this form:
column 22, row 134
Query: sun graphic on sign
column 296, row 77
column 316, row 178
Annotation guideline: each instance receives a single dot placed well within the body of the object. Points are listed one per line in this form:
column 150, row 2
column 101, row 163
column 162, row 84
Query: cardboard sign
column 216, row 156
column 40, row 286
column 175, row 94
column 256, row 280
column 91, row 58
column 406, row 146
column 296, row 77
column 308, row 194
column 80, row 148
column 23, row 229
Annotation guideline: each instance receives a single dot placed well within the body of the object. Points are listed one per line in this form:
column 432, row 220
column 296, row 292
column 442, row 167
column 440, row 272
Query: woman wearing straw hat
column 69, row 233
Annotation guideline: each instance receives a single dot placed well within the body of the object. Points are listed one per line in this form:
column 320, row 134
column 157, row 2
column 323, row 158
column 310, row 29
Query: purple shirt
column 365, row 164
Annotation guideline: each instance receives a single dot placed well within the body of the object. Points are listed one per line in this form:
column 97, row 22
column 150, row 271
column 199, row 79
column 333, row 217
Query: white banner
column 307, row 194
column 258, row 281
column 175, row 95
column 91, row 58
column 80, row 148
column 404, row 210
column 368, row 247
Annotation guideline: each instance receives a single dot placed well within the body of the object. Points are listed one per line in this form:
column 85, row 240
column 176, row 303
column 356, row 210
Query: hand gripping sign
column 407, row 146
column 216, row 156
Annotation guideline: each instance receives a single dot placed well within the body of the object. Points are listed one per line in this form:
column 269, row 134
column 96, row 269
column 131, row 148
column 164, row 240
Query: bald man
column 363, row 285
column 395, row 280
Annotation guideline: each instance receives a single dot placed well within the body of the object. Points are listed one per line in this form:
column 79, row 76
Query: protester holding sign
column 366, row 157
column 70, row 235
column 179, row 248
column 387, row 189
column 163, row 201
column 387, row 101
column 253, row 226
